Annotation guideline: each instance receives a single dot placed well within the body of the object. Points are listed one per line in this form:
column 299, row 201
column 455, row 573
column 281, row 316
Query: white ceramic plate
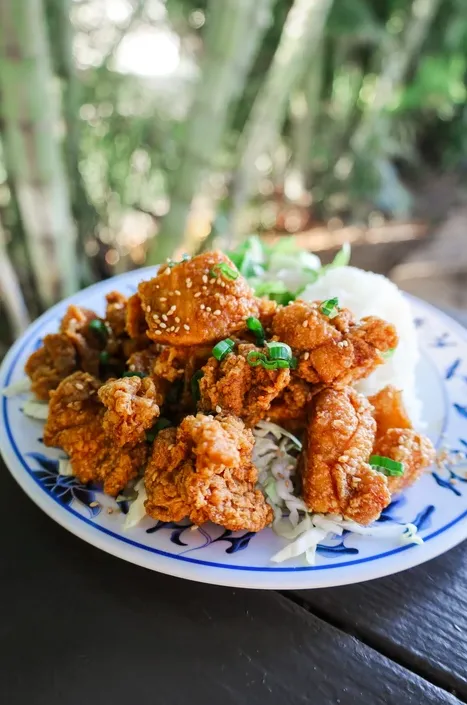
column 437, row 504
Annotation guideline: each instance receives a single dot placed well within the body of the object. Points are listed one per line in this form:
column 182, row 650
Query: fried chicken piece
column 116, row 313
column 194, row 303
column 132, row 408
column 176, row 363
column 396, row 439
column 336, row 475
column 203, row 470
column 75, row 423
column 87, row 342
column 136, row 325
column 406, row 446
column 235, row 387
column 333, row 350
column 144, row 360
column 290, row 408
column 389, row 411
column 52, row 362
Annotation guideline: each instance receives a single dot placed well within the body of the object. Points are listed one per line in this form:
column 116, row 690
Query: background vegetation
column 131, row 130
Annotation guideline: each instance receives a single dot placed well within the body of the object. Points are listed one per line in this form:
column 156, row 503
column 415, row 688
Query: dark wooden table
column 80, row 627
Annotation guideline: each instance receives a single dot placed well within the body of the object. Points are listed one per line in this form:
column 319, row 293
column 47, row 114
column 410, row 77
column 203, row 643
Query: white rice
column 370, row 294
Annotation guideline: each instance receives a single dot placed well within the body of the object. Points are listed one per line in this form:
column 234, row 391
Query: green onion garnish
column 387, row 466
column 279, row 351
column 194, row 385
column 256, row 358
column 330, row 307
column 254, row 324
column 223, row 268
column 104, row 357
column 172, row 263
column 134, row 373
column 388, row 354
column 223, row 348
column 293, row 363
column 97, row 326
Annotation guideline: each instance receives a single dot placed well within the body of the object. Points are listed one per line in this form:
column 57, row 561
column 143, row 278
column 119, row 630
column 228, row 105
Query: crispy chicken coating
column 267, row 309
column 389, row 411
column 115, row 313
column 336, row 475
column 235, row 387
column 75, row 423
column 396, row 439
column 88, row 343
column 290, row 408
column 194, row 303
column 406, row 446
column 52, row 362
column 136, row 325
column 144, row 360
column 203, row 470
column 333, row 350
column 132, row 408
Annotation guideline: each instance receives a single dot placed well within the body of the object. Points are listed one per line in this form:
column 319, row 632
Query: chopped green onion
column 279, row 351
column 388, row 354
column 254, row 324
column 387, row 466
column 330, row 307
column 97, row 326
column 104, row 357
column 223, row 268
column 134, row 373
column 194, row 385
column 342, row 258
column 223, row 348
column 172, row 263
column 293, row 363
column 256, row 358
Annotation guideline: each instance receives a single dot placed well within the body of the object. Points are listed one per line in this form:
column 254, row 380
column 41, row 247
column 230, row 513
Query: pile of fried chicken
column 140, row 391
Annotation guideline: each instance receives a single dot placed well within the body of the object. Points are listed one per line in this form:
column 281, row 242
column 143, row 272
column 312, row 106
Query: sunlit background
column 132, row 130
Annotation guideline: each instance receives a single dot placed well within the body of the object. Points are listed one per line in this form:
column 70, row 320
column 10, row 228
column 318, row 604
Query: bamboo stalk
column 10, row 292
column 300, row 38
column 234, row 29
column 30, row 124
column 395, row 62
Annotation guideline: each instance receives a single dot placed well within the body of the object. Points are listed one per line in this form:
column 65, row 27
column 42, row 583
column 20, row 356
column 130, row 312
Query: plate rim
column 235, row 576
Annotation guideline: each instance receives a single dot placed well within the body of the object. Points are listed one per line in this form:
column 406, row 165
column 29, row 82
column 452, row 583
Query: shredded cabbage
column 19, row 387
column 275, row 455
column 136, row 512
column 36, row 409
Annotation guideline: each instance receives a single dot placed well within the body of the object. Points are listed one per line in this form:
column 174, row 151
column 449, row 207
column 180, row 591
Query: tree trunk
column 395, row 62
column 234, row 29
column 301, row 35
column 31, row 120
column 10, row 292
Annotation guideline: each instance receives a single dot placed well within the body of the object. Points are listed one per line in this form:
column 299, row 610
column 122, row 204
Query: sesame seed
column 202, row 307
column 158, row 332
column 208, row 308
column 177, row 329
column 109, row 510
column 306, row 355
column 218, row 409
column 177, row 292
column 205, row 279
column 186, row 326
column 148, row 308
column 212, row 281
column 94, row 504
column 163, row 325
column 132, row 368
column 163, row 298
column 217, row 312
column 204, row 288
column 171, row 329
column 305, row 324
column 177, row 320
column 198, row 293
column 164, row 317
column 79, row 385
column 189, row 285
column 172, row 309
